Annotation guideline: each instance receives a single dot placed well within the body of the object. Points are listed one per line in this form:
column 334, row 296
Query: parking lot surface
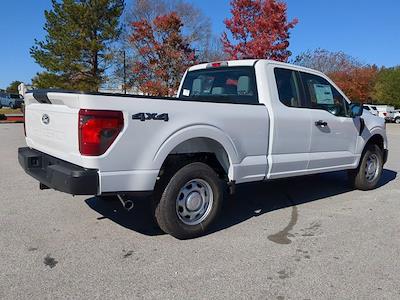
column 302, row 238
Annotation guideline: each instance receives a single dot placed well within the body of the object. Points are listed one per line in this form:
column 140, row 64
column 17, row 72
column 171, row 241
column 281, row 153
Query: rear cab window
column 221, row 85
column 289, row 88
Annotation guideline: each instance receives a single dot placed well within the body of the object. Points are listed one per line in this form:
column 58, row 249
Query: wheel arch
column 376, row 139
column 200, row 143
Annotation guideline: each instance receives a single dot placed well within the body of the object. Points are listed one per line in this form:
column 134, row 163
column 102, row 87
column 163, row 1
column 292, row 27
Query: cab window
column 289, row 87
column 225, row 85
column 322, row 95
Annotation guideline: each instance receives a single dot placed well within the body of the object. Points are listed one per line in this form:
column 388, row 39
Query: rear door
column 290, row 137
column 334, row 133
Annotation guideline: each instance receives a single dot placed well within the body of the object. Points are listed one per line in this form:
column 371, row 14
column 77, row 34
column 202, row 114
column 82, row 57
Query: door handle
column 321, row 123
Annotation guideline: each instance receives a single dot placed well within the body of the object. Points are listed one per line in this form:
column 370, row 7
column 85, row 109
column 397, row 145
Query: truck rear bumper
column 128, row 181
column 58, row 174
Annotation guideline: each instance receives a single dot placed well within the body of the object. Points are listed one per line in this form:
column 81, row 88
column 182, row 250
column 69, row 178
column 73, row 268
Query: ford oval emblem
column 45, row 119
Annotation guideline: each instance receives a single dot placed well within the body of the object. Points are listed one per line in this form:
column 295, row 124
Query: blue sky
column 366, row 29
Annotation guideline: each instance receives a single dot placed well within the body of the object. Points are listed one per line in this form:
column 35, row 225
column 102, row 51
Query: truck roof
column 231, row 63
column 251, row 63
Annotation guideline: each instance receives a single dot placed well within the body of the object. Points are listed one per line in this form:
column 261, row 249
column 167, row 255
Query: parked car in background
column 386, row 112
column 397, row 116
column 11, row 100
column 371, row 108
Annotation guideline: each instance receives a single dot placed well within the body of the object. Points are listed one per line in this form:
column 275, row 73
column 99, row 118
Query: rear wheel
column 368, row 173
column 190, row 202
column 397, row 120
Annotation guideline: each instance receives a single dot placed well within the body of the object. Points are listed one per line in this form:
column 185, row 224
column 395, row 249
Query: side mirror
column 356, row 110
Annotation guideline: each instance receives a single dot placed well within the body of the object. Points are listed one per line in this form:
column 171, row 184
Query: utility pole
column 124, row 54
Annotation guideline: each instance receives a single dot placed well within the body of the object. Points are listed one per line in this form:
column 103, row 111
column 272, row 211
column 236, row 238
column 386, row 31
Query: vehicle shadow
column 138, row 219
column 251, row 200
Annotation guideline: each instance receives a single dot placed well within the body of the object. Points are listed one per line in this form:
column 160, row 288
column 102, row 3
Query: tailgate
column 52, row 124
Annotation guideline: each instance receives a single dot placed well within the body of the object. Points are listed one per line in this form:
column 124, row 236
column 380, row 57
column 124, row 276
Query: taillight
column 98, row 129
column 384, row 114
column 217, row 64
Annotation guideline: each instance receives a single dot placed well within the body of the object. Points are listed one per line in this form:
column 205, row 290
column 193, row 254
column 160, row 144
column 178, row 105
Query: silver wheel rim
column 398, row 121
column 194, row 202
column 372, row 167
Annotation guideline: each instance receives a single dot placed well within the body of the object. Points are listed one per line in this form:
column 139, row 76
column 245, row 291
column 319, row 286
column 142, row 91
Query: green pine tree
column 13, row 87
column 77, row 48
column 387, row 86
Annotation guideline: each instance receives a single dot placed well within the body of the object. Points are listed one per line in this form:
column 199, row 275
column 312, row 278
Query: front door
column 334, row 133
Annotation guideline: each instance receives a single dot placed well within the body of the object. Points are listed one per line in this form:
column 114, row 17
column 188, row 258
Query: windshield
column 225, row 85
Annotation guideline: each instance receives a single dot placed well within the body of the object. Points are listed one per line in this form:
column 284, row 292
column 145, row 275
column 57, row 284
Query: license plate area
column 35, row 162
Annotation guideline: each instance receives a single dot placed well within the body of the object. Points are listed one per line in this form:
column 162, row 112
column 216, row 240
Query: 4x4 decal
column 151, row 116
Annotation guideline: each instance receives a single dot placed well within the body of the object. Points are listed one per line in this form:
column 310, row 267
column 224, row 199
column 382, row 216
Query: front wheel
column 368, row 173
column 190, row 202
column 397, row 120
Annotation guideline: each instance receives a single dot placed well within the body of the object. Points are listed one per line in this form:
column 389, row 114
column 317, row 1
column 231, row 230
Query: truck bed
column 136, row 156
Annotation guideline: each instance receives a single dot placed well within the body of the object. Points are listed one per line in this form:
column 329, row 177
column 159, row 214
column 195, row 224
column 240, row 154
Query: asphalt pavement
column 301, row 238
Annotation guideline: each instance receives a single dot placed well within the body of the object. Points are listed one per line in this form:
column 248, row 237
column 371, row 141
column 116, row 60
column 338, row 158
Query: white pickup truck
column 232, row 122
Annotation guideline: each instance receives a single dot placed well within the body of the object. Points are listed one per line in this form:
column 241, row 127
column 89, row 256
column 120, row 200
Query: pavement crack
column 127, row 254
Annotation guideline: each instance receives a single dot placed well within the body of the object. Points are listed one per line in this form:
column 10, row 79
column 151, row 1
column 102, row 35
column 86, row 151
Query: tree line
column 94, row 43
column 361, row 82
column 159, row 40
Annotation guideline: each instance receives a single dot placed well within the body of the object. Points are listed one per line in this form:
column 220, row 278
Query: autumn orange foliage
column 164, row 54
column 356, row 79
column 259, row 29
column 357, row 83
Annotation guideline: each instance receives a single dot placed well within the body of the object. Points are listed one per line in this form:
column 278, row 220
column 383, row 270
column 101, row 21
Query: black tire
column 168, row 212
column 360, row 178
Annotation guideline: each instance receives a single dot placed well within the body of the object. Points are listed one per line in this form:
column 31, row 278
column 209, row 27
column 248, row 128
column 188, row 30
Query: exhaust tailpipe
column 126, row 204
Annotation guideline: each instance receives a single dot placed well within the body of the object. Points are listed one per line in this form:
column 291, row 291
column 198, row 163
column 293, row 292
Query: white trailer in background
column 386, row 112
column 371, row 108
column 397, row 116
